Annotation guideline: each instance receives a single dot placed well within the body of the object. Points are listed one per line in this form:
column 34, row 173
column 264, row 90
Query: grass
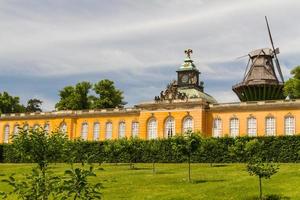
column 230, row 181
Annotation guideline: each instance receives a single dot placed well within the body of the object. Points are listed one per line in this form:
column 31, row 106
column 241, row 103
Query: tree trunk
column 153, row 167
column 189, row 168
column 260, row 189
column 45, row 197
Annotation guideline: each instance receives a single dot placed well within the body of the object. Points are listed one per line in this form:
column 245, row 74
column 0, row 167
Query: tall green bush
column 133, row 150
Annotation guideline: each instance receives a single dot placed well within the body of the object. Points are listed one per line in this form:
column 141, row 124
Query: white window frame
column 252, row 127
column 84, row 131
column 26, row 127
column 188, row 124
column 47, row 128
column 289, row 125
column 152, row 128
column 217, row 127
column 122, row 129
column 270, row 126
column 169, row 127
column 16, row 129
column 6, row 133
column 234, row 126
column 63, row 128
column 108, row 130
column 96, row 131
column 36, row 127
column 135, row 129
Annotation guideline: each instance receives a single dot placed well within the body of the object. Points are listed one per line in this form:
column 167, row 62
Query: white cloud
column 53, row 42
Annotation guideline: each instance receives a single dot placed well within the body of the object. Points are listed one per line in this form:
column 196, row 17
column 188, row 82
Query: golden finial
column 188, row 53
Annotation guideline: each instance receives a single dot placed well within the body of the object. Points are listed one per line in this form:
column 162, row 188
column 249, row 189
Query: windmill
column 260, row 81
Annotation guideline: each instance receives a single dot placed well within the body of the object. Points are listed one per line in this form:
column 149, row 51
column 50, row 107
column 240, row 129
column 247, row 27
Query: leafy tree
column 154, row 148
column 10, row 104
column 76, row 185
column 261, row 170
column 37, row 185
column 292, row 86
column 253, row 149
column 256, row 166
column 36, row 145
column 34, row 105
column 75, row 97
column 187, row 145
column 108, row 95
column 132, row 150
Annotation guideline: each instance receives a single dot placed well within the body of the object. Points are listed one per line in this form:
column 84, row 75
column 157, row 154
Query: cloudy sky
column 48, row 44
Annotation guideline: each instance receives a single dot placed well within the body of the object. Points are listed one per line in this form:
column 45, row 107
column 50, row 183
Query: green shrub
column 132, row 150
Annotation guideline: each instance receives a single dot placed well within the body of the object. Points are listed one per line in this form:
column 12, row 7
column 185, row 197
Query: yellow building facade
column 182, row 106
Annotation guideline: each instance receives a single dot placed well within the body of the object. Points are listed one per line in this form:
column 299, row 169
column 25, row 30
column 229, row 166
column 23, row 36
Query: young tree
column 154, row 149
column 34, row 105
column 76, row 185
column 261, row 170
column 133, row 150
column 75, row 97
column 237, row 150
column 35, row 145
column 187, row 145
column 256, row 166
column 292, row 86
column 108, row 95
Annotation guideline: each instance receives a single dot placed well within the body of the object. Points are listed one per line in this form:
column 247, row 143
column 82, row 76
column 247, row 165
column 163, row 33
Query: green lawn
column 230, row 181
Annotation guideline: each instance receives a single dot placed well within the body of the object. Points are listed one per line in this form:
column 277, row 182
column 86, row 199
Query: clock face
column 185, row 78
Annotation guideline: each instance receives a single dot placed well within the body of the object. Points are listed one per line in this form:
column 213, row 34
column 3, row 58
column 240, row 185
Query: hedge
column 212, row 150
column 1, row 153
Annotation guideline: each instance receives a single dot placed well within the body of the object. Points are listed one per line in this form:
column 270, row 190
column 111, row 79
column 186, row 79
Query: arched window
column 169, row 127
column 63, row 128
column 84, row 131
column 152, row 128
column 108, row 130
column 47, row 128
column 96, row 132
column 289, row 125
column 36, row 127
column 6, row 133
column 26, row 127
column 270, row 126
column 217, row 127
column 135, row 126
column 122, row 129
column 252, row 127
column 234, row 127
column 16, row 130
column 187, row 124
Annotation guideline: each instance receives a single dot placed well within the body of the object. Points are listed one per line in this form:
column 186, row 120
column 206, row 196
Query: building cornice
column 71, row 114
column 256, row 105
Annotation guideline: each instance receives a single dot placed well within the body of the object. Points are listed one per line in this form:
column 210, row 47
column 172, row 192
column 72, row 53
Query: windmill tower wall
column 260, row 81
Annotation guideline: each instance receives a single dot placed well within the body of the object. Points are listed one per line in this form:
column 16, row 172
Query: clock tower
column 187, row 85
column 188, row 74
